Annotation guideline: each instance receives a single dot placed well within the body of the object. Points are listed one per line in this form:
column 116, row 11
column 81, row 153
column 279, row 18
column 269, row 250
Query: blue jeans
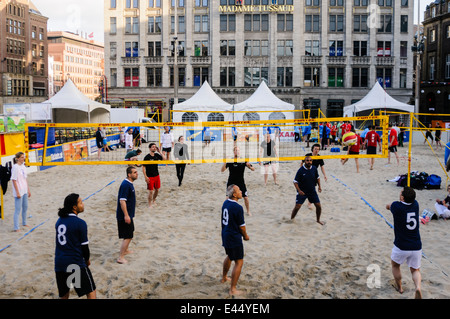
column 21, row 204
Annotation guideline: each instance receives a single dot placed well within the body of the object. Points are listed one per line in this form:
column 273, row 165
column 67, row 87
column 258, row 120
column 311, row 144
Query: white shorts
column 412, row 257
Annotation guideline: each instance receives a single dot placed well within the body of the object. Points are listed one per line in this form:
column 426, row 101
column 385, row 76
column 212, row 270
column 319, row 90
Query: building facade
column 315, row 54
column 23, row 53
column 435, row 70
column 76, row 57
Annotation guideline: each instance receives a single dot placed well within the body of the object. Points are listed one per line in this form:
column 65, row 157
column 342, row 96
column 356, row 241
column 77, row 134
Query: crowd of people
column 71, row 232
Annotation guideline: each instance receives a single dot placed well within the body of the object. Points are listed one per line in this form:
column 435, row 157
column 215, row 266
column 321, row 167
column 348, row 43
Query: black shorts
column 167, row 149
column 235, row 253
column 353, row 153
column 83, row 286
column 99, row 144
column 371, row 149
column 125, row 231
column 392, row 149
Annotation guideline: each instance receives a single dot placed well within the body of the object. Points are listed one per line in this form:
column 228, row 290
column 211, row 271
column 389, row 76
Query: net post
column 411, row 118
column 44, row 150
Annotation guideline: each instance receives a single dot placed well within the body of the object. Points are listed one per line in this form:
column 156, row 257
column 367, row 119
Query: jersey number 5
column 410, row 219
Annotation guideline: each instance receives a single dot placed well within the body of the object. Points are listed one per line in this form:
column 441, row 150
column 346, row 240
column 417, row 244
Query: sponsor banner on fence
column 53, row 154
column 75, row 151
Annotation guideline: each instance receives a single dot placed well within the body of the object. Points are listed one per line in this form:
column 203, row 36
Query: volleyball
column 349, row 139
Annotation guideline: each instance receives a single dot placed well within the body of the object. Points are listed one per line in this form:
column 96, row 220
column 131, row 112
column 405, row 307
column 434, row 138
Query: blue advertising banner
column 54, row 154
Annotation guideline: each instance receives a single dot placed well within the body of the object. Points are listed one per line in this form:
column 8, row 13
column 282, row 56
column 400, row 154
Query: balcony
column 180, row 60
column 311, row 60
column 153, row 60
column 360, row 60
column 128, row 61
column 201, row 60
column 336, row 60
column 384, row 60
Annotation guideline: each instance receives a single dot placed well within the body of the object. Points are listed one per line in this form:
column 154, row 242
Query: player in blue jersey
column 126, row 206
column 72, row 251
column 305, row 184
column 407, row 243
column 233, row 230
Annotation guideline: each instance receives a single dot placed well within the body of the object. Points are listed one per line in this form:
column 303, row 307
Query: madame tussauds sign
column 257, row 8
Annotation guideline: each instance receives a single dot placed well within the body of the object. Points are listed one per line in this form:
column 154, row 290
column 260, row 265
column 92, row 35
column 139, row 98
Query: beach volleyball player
column 233, row 230
column 72, row 255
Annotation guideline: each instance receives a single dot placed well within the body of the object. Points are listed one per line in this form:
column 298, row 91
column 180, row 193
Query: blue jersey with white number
column 71, row 234
column 406, row 225
column 232, row 221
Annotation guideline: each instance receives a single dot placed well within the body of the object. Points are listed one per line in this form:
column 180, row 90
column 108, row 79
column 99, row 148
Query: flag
column 91, row 35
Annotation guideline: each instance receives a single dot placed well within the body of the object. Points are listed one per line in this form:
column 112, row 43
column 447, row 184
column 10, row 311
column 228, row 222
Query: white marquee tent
column 204, row 105
column 69, row 105
column 377, row 98
column 260, row 104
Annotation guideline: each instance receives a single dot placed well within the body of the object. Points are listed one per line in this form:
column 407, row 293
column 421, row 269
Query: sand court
column 177, row 250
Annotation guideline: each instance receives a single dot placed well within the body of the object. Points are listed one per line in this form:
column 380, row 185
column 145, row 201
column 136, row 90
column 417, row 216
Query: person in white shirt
column 21, row 190
column 129, row 145
column 167, row 142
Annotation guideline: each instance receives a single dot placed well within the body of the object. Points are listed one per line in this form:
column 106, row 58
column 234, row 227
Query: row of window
column 219, row 117
column 129, row 4
column 260, row 22
column 261, row 48
column 254, row 75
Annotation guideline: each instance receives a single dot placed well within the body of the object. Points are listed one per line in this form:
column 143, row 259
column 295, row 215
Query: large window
column 336, row 23
column 154, row 48
column 200, row 76
column 336, row 48
column 385, row 23
column 254, row 75
column 360, row 23
column 284, row 77
column 256, row 47
column 154, row 24
column 201, row 48
column 311, row 76
column 312, row 23
column 227, row 76
column 256, row 22
column 312, row 48
column 360, row 77
column 285, row 22
column 228, row 47
column 228, row 22
column 131, row 49
column 360, row 48
column 131, row 77
column 181, row 76
column 335, row 77
column 384, row 77
column 154, row 77
column 201, row 23
column 285, row 47
column 384, row 48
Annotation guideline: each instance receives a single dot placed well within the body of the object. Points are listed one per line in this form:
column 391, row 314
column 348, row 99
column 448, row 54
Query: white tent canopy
column 377, row 98
column 69, row 105
column 263, row 99
column 204, row 100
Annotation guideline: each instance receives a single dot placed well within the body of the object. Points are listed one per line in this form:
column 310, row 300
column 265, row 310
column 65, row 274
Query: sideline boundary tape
column 387, row 222
column 32, row 229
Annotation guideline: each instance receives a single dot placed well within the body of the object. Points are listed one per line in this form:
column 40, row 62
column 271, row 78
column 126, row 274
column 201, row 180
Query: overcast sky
column 87, row 15
column 73, row 15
